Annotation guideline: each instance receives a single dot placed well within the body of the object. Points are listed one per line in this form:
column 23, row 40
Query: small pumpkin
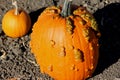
column 15, row 22
column 66, row 45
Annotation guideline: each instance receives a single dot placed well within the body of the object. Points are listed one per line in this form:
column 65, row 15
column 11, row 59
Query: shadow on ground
column 34, row 16
column 108, row 19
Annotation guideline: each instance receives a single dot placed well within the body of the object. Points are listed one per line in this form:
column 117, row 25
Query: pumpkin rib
column 66, row 40
column 54, row 37
column 79, row 45
column 51, row 37
column 81, row 49
column 87, row 58
column 72, row 42
column 65, row 60
column 63, row 45
column 52, row 34
column 79, row 37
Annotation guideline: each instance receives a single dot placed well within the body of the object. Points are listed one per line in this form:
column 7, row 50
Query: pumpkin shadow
column 108, row 19
column 34, row 16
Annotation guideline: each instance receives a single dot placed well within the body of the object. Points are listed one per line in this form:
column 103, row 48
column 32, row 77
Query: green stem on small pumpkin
column 66, row 10
column 14, row 3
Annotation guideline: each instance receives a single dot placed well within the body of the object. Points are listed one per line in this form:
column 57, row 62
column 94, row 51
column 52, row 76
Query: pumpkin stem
column 14, row 3
column 66, row 10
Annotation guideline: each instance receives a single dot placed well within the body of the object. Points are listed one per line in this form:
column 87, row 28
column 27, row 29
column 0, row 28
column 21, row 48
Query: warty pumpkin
column 15, row 22
column 66, row 45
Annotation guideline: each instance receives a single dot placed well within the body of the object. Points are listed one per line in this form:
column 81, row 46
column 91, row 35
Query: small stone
column 94, row 2
column 2, row 54
column 0, row 28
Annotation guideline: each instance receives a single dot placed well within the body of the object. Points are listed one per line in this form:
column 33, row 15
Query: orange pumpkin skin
column 16, row 25
column 65, row 48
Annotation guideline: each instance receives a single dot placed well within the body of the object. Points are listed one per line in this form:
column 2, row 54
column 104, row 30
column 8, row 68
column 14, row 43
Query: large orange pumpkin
column 66, row 46
column 16, row 23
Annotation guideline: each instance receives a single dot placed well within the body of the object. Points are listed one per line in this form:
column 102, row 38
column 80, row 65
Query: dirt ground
column 16, row 60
